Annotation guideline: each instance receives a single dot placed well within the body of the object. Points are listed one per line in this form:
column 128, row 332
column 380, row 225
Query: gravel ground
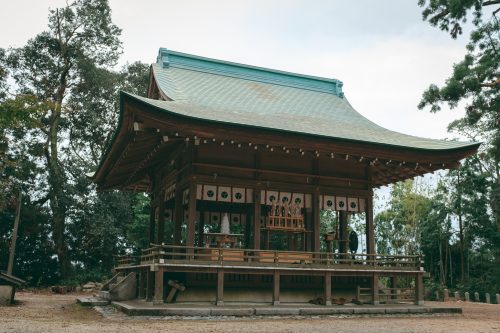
column 60, row 313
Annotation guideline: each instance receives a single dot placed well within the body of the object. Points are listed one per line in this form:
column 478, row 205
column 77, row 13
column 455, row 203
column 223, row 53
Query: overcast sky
column 382, row 50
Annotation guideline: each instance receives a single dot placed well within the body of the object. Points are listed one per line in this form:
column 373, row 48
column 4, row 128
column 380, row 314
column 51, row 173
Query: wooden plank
column 375, row 291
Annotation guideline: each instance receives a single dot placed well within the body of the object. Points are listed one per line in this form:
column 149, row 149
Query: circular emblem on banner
column 238, row 195
column 272, row 198
column 285, row 199
column 353, row 205
column 329, row 203
column 210, row 193
column 224, row 194
column 298, row 200
column 341, row 204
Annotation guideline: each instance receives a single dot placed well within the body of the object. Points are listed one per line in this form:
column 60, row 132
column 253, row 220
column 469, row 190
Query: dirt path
column 59, row 313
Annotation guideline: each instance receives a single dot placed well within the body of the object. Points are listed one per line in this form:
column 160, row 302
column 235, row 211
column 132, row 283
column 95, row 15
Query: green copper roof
column 239, row 94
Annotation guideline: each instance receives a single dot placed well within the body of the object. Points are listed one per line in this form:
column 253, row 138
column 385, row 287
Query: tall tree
column 48, row 68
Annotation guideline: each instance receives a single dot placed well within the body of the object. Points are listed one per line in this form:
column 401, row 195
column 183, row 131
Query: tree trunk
column 461, row 233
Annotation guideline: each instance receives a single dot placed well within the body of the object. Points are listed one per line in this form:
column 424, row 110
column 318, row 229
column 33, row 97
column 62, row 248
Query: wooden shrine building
column 240, row 162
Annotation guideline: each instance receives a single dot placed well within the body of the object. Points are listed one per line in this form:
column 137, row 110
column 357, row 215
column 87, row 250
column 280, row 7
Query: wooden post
column 375, row 294
column 419, row 289
column 201, row 228
column 191, row 214
column 158, row 296
column 220, row 288
column 344, row 235
column 276, row 288
column 152, row 222
column 161, row 219
column 316, row 222
column 256, row 218
column 248, row 230
column 14, row 235
column 150, row 278
column 178, row 216
column 328, row 288
column 370, row 233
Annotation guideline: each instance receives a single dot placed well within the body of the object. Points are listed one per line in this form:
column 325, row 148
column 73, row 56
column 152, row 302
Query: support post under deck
column 375, row 291
column 150, row 278
column 191, row 215
column 178, row 216
column 276, row 288
column 316, row 222
column 158, row 296
column 370, row 234
column 419, row 289
column 220, row 288
column 161, row 219
column 328, row 288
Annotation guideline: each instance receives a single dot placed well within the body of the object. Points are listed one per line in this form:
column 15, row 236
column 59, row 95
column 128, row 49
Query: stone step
column 104, row 295
column 120, row 278
column 92, row 301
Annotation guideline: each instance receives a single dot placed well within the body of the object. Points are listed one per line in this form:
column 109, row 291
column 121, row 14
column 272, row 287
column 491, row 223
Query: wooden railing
column 126, row 260
column 162, row 254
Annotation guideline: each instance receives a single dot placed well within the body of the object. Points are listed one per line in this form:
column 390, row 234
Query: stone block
column 276, row 311
column 498, row 298
column 436, row 295
column 396, row 310
column 467, row 296
column 6, row 294
column 487, row 298
column 188, row 312
column 418, row 310
column 446, row 295
column 476, row 297
column 232, row 312
column 457, row 296
column 369, row 310
column 325, row 311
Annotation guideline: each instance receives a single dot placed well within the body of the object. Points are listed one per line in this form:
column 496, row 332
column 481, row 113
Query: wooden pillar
column 150, row 278
column 419, row 289
column 328, row 288
column 375, row 293
column 276, row 288
column 191, row 223
column 370, row 232
column 220, row 288
column 316, row 222
column 201, row 228
column 161, row 219
column 178, row 216
column 256, row 219
column 344, row 235
column 248, row 230
column 152, row 222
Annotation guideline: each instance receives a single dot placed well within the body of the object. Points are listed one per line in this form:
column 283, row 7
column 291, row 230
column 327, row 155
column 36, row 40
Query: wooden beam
column 150, row 287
